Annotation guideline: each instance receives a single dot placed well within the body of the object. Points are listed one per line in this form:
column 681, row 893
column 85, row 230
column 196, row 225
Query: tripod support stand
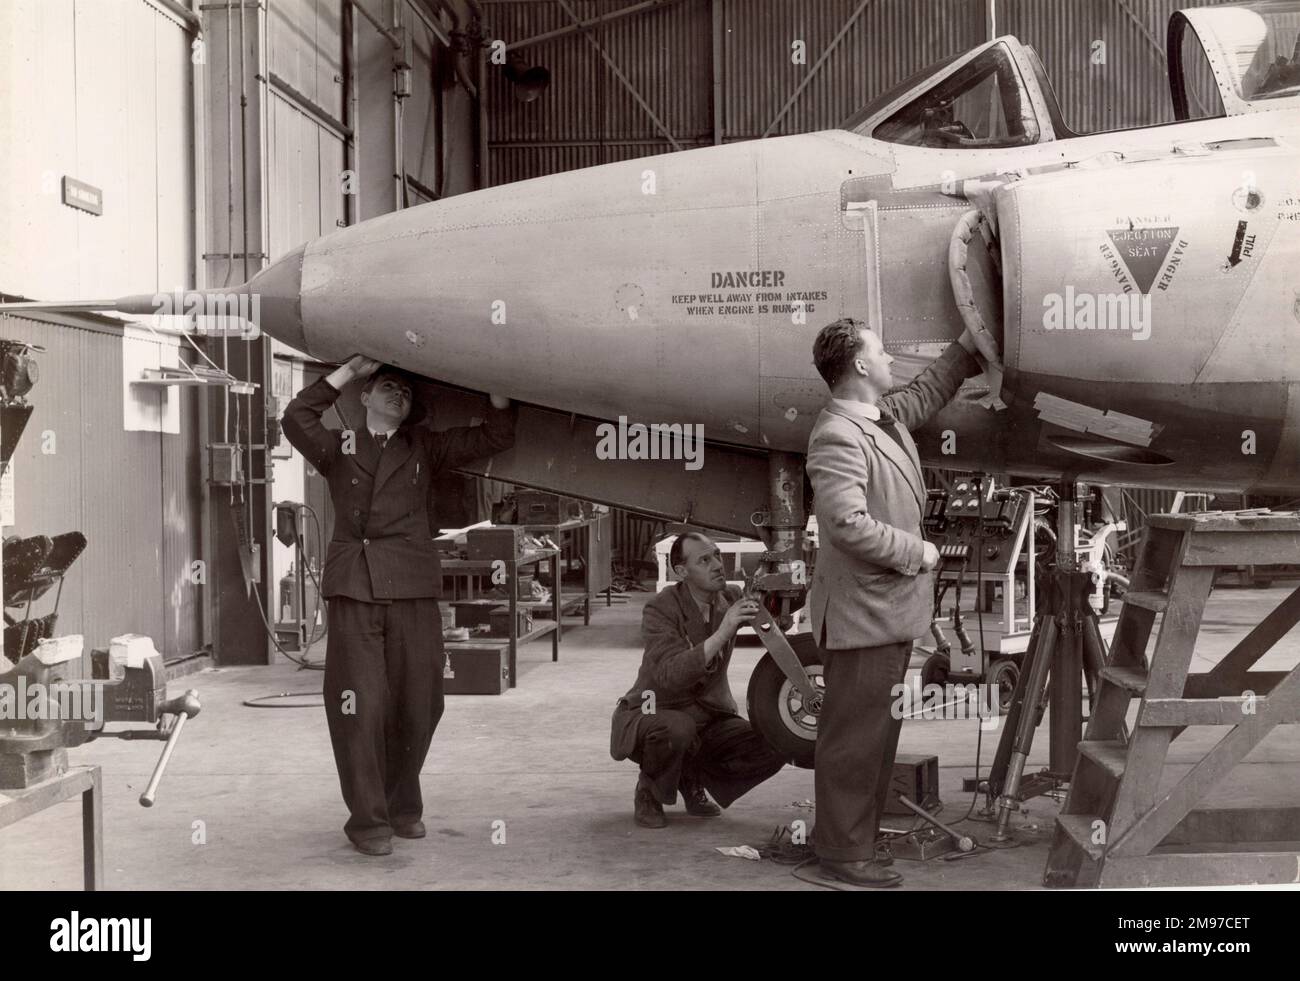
column 1065, row 645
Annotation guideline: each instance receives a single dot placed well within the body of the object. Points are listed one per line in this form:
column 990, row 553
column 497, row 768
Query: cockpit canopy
column 1223, row 61
column 1252, row 49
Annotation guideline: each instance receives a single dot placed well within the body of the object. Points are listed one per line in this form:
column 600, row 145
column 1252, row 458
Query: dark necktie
column 709, row 612
column 890, row 425
column 710, row 615
column 381, row 439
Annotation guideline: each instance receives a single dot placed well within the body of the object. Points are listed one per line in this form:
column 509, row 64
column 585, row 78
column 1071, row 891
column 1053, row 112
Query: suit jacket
column 672, row 667
column 382, row 546
column 868, row 493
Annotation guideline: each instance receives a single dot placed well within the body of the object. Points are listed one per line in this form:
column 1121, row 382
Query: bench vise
column 49, row 704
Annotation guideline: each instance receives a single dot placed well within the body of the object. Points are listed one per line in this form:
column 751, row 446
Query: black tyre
column 935, row 670
column 1004, row 673
column 777, row 709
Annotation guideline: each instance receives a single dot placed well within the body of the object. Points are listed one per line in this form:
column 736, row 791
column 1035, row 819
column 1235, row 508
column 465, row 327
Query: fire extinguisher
column 289, row 611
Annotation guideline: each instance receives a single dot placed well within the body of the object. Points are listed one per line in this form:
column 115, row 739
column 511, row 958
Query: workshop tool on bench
column 79, row 709
column 32, row 566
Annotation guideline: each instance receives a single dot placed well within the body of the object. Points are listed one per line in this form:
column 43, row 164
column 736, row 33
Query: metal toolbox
column 500, row 620
column 478, row 672
column 917, row 779
column 471, row 613
column 541, row 508
column 498, row 542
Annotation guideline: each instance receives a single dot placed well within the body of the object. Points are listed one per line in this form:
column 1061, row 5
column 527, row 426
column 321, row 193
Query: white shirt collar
column 865, row 409
column 387, row 433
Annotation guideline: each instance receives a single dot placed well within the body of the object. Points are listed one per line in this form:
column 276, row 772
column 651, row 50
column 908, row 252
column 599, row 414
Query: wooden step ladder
column 1116, row 815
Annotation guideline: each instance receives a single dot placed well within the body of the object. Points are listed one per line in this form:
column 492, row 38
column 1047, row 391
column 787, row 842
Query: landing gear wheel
column 1004, row 673
column 779, row 712
column 935, row 670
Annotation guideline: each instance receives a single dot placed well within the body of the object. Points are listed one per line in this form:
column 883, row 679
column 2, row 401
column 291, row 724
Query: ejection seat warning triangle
column 1144, row 251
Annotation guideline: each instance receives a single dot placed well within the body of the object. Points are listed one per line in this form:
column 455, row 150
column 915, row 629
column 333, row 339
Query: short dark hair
column 835, row 348
column 418, row 412
column 388, row 371
column 675, row 553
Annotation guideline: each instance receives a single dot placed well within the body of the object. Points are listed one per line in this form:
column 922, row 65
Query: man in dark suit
column 872, row 588
column 679, row 721
column 384, row 655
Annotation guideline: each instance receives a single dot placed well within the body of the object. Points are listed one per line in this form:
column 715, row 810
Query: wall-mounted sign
column 282, row 379
column 82, row 196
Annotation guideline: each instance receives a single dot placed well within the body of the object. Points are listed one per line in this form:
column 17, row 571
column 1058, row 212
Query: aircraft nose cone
column 278, row 289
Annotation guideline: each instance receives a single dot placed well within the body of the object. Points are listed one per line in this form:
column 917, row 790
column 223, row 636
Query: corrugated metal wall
column 306, row 199
column 1129, row 86
column 305, row 159
column 880, row 42
column 588, row 116
column 135, row 495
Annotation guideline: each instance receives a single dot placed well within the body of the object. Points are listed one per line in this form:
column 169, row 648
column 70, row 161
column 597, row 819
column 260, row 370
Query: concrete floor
column 257, row 787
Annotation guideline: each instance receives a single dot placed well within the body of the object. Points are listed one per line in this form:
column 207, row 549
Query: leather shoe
column 647, row 811
column 413, row 830
column 866, row 872
column 697, row 801
column 374, row 846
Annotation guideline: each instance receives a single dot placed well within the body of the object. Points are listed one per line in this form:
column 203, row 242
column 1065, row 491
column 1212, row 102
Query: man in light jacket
column 872, row 588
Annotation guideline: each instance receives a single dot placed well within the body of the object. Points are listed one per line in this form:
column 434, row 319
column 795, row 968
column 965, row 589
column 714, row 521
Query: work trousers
column 857, row 738
column 383, row 700
column 694, row 744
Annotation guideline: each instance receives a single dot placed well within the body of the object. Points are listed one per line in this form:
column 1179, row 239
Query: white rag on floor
column 741, row 851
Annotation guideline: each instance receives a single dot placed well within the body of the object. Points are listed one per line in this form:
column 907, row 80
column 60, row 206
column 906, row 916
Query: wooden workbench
column 469, row 568
column 590, row 539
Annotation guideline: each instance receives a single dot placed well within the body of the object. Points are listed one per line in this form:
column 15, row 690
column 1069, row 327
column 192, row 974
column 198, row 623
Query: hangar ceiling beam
column 633, row 11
